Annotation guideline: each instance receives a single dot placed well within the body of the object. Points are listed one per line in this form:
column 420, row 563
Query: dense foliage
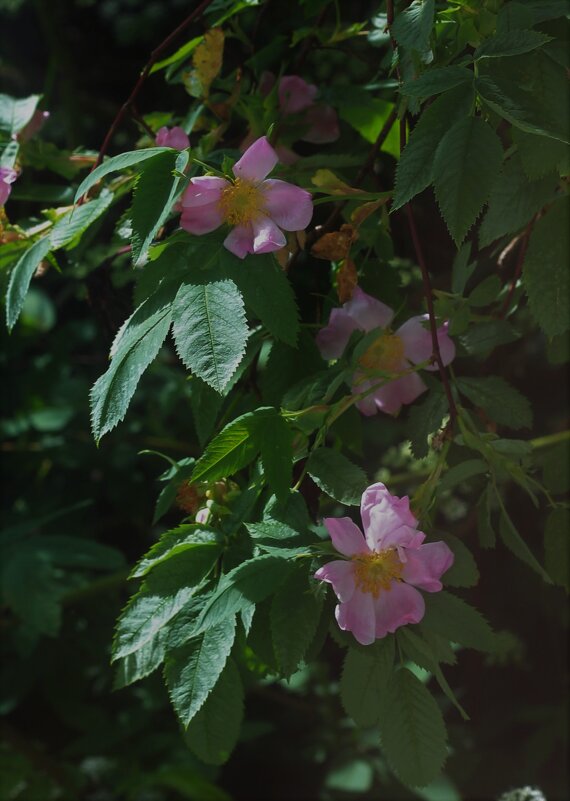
column 329, row 269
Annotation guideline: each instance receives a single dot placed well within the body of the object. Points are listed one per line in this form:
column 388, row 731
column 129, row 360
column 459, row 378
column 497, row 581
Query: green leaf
column 545, row 271
column 438, row 80
column 116, row 163
column 192, row 537
column 511, row 43
column 267, row 292
column 412, row 730
column 247, row 584
column 452, row 618
column 557, row 546
column 514, row 201
column 487, row 536
column 515, row 543
column 274, row 440
column 462, row 472
column 285, row 367
column 556, row 468
column 210, row 330
column 462, row 269
column 135, row 347
column 416, row 166
column 365, row 677
column 21, row 277
column 192, row 671
column 206, row 405
column 486, row 292
column 426, row 418
column 232, row 449
column 336, row 475
column 31, row 587
column 528, row 91
column 155, row 191
column 463, row 572
column 498, row 399
column 68, row 229
column 295, row 614
column 213, row 733
column 412, row 28
column 15, row 113
column 466, row 165
column 143, row 662
column 482, row 338
column 538, row 160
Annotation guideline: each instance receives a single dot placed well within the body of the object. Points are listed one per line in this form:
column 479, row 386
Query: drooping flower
column 376, row 582
column 256, row 206
column 320, row 123
column 172, row 137
column 390, row 352
column 7, row 178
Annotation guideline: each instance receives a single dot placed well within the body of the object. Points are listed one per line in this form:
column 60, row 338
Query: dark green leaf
column 416, row 166
column 192, row 671
column 364, row 681
column 68, row 229
column 498, row 399
column 21, row 277
column 274, row 440
column 120, row 162
column 538, row 160
column 412, row 28
column 232, row 449
column 337, row 476
column 154, row 194
column 557, row 546
column 437, row 80
column 465, row 169
column 462, row 472
column 412, row 730
column 482, row 338
column 515, row 543
column 210, row 330
column 426, row 418
column 545, row 272
column 452, row 618
column 213, row 733
column 463, row 572
column 15, row 113
column 511, row 43
column 295, row 614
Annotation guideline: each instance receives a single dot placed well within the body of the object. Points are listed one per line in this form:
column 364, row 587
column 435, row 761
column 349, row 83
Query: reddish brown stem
column 518, row 269
column 154, row 56
column 428, row 294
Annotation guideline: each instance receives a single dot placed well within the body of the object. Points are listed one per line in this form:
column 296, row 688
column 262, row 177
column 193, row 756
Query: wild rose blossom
column 390, row 352
column 7, row 178
column 376, row 581
column 295, row 96
column 256, row 206
column 172, row 137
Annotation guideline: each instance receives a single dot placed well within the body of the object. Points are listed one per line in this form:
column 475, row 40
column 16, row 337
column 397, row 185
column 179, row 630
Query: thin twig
column 518, row 269
column 436, row 355
column 154, row 56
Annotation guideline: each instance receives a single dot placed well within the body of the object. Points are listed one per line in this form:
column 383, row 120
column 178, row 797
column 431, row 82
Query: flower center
column 241, row 202
column 386, row 354
column 376, row 571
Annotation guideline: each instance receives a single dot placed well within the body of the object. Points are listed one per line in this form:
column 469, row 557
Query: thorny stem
column 518, row 269
column 154, row 56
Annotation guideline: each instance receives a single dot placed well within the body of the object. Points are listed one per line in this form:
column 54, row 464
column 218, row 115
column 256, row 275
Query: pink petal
column 239, row 241
column 257, row 161
column 287, row 205
column 425, row 566
column 203, row 191
column 295, row 94
column 392, row 396
column 417, row 341
column 323, row 122
column 267, row 237
column 340, row 575
column 201, row 219
column 403, row 538
column 346, row 537
column 357, row 616
column 377, row 496
column 333, row 339
column 172, row 137
column 368, row 312
column 396, row 607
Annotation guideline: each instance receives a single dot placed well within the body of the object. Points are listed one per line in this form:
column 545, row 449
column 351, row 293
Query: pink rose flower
column 296, row 95
column 172, row 137
column 7, row 178
column 389, row 353
column 376, row 581
column 257, row 207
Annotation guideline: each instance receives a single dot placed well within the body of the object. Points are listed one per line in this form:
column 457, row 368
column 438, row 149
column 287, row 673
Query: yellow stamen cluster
column 376, row 571
column 241, row 202
column 386, row 354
